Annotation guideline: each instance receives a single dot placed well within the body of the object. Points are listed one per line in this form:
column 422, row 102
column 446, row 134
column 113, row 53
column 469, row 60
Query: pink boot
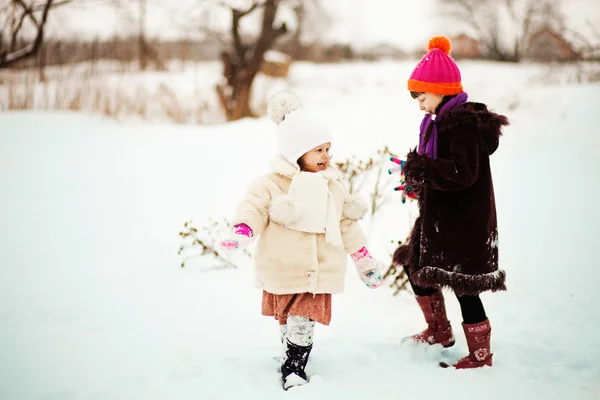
column 438, row 329
column 478, row 341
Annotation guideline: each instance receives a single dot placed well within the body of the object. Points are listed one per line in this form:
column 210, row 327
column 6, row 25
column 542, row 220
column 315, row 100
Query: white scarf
column 316, row 206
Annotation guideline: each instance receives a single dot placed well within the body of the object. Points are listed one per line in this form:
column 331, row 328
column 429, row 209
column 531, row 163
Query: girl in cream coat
column 306, row 222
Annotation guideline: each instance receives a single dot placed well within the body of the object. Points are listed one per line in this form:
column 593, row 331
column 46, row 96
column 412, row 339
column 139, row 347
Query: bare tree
column 243, row 59
column 311, row 21
column 20, row 16
column 143, row 46
column 590, row 42
column 146, row 53
column 523, row 18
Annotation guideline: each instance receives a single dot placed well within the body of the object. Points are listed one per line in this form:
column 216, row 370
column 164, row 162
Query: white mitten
column 369, row 269
column 241, row 237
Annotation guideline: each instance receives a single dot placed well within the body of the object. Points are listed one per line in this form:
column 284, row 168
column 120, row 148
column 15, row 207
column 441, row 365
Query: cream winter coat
column 290, row 260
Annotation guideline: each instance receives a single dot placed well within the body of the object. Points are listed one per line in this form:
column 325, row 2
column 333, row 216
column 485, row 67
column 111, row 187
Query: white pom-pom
column 355, row 208
column 282, row 104
column 284, row 210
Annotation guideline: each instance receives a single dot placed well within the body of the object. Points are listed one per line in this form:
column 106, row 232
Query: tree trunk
column 42, row 54
column 242, row 102
column 234, row 92
column 243, row 62
column 142, row 46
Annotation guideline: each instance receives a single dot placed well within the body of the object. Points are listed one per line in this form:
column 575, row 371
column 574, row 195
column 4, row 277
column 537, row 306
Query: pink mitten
column 241, row 237
column 369, row 270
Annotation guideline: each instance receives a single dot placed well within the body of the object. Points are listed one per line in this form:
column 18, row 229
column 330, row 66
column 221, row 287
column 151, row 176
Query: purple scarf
column 431, row 147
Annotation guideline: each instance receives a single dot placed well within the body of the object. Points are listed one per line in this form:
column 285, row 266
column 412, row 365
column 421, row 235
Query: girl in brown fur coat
column 454, row 242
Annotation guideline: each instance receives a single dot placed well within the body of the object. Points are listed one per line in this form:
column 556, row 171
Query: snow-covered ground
column 94, row 305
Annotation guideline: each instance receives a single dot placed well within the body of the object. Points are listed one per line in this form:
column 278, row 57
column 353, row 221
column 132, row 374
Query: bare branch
column 527, row 21
column 253, row 7
column 40, row 7
column 28, row 11
column 583, row 39
column 195, row 19
column 242, row 13
column 267, row 35
column 31, row 49
column 511, row 10
column 31, row 9
column 236, row 16
column 15, row 33
column 235, row 32
column 593, row 28
column 216, row 35
column 467, row 11
column 241, row 65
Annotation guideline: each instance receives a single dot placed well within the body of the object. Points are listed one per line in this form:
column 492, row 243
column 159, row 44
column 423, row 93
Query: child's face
column 428, row 102
column 317, row 159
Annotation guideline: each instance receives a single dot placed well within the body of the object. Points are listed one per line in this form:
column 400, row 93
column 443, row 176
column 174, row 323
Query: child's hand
column 369, row 270
column 407, row 190
column 414, row 169
column 373, row 278
column 399, row 167
column 240, row 238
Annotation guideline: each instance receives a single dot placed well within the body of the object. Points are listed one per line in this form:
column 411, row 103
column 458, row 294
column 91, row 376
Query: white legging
column 298, row 330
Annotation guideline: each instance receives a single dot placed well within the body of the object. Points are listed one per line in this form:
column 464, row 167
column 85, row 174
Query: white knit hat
column 298, row 131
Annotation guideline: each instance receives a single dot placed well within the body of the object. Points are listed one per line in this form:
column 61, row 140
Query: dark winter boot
column 298, row 344
column 438, row 329
column 478, row 341
column 294, row 363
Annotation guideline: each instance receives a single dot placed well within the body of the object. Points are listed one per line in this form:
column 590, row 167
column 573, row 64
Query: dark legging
column 470, row 306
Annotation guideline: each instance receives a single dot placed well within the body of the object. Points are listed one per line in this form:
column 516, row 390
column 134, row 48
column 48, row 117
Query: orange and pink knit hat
column 436, row 72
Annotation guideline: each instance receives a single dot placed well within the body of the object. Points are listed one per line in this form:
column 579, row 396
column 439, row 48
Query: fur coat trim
column 462, row 284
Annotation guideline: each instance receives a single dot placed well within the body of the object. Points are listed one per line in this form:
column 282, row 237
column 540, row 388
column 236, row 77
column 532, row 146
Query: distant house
column 549, row 45
column 464, row 46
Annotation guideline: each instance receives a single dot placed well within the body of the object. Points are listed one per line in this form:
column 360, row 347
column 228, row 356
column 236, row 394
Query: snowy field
column 94, row 305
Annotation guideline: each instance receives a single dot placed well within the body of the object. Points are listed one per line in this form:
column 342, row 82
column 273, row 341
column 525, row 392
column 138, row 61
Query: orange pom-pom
column 440, row 42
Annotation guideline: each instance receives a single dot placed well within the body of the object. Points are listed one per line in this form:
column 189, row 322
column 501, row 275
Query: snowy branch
column 205, row 244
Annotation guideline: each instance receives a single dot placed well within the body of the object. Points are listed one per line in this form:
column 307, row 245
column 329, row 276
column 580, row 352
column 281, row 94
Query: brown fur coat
column 454, row 242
